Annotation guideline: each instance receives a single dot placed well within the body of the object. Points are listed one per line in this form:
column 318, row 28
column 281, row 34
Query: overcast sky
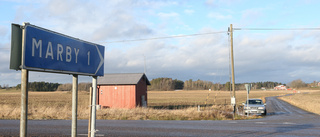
column 260, row 55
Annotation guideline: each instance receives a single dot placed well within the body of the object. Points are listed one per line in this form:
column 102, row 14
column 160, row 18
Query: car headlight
column 260, row 107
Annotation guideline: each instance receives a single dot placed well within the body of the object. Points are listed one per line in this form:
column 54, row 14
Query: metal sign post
column 93, row 108
column 248, row 87
column 24, row 90
column 74, row 105
column 24, row 103
column 90, row 110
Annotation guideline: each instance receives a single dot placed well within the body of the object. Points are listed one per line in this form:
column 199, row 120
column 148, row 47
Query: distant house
column 127, row 90
column 280, row 87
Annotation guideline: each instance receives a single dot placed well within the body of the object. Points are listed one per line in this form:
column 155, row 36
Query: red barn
column 280, row 87
column 122, row 90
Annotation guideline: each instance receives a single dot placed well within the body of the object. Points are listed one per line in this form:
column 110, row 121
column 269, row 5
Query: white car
column 255, row 106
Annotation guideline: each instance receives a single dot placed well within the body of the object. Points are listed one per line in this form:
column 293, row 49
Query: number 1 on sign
column 88, row 58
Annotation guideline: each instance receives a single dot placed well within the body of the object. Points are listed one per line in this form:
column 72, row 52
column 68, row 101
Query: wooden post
column 90, row 111
column 24, row 89
column 94, row 97
column 74, row 105
column 24, row 103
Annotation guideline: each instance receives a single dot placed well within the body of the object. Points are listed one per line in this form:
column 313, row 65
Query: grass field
column 308, row 101
column 57, row 105
column 195, row 97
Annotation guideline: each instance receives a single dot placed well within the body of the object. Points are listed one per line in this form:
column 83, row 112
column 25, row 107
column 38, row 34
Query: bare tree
column 65, row 87
column 298, row 83
column 5, row 86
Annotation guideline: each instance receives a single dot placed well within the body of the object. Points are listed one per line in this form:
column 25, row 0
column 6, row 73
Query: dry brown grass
column 57, row 105
column 198, row 97
column 41, row 105
column 162, row 114
column 308, row 101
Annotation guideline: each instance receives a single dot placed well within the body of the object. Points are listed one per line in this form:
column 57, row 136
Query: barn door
column 143, row 101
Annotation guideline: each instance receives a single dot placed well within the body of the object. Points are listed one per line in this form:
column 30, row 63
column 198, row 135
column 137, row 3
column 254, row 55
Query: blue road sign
column 50, row 51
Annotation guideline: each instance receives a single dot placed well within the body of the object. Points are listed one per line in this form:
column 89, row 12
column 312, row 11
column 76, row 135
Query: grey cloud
column 258, row 56
column 89, row 20
column 276, row 57
column 183, row 59
column 3, row 31
column 10, row 77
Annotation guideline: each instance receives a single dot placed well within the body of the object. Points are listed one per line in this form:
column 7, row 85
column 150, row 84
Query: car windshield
column 258, row 102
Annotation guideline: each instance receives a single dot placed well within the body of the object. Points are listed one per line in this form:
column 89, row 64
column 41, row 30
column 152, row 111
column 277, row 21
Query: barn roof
column 122, row 79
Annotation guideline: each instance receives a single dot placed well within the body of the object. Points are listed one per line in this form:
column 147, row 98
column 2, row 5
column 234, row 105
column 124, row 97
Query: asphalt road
column 282, row 120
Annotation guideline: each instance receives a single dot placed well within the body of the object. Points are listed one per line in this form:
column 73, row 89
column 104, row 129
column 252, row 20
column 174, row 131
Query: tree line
column 165, row 84
column 47, row 86
column 169, row 84
column 260, row 85
column 4, row 86
column 41, row 86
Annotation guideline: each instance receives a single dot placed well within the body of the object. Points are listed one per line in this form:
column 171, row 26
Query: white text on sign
column 37, row 45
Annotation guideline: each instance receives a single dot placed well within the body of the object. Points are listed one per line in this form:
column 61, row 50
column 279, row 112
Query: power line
column 168, row 37
column 276, row 28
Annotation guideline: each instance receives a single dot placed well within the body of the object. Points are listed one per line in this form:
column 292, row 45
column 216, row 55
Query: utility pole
column 232, row 71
